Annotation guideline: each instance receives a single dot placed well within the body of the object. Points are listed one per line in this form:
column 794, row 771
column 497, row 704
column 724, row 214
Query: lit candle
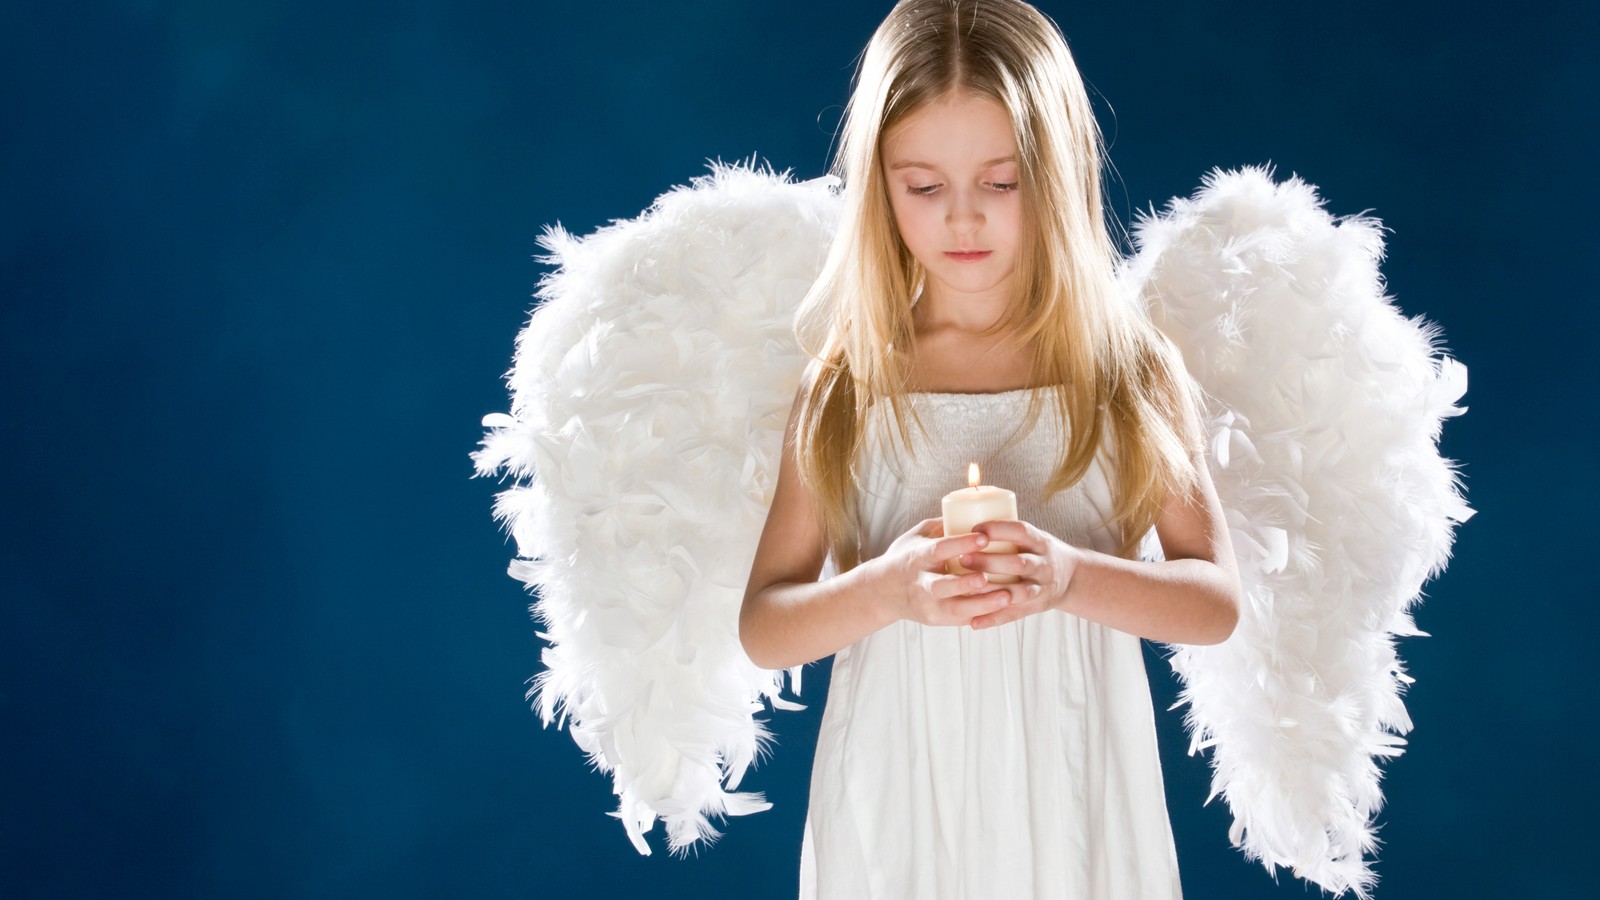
column 976, row 503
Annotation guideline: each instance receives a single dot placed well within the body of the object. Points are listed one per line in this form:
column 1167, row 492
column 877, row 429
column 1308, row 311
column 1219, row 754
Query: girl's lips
column 972, row 256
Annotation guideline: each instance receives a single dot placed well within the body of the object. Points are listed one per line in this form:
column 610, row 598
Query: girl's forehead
column 958, row 131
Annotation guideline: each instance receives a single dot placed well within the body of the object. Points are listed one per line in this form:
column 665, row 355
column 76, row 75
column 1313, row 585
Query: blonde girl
column 983, row 739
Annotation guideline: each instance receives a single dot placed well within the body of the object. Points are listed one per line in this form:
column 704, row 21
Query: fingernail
column 983, row 540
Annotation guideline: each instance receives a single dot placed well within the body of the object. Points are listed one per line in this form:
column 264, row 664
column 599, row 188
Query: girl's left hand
column 1043, row 562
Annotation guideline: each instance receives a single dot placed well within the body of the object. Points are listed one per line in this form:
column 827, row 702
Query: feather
column 1325, row 410
column 659, row 363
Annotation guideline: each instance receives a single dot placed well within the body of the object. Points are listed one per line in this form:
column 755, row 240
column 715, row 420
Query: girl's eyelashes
column 925, row 190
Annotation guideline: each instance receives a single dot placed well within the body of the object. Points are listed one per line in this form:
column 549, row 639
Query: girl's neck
column 952, row 359
column 971, row 314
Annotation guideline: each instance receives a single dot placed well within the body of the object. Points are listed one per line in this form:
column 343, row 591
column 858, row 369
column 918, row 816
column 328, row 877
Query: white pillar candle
column 965, row 508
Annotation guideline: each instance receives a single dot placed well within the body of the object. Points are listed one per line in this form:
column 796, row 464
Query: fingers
column 937, row 552
column 967, row 609
column 1024, row 565
column 1020, row 533
column 999, row 617
column 992, row 607
column 944, row 587
column 1018, row 603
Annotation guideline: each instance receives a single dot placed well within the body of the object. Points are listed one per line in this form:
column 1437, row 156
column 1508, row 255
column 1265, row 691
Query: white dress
column 1012, row 762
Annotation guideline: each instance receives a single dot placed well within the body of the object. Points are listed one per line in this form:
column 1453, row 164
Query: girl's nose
column 965, row 210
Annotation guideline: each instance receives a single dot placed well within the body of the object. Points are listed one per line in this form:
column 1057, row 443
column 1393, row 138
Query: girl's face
column 951, row 170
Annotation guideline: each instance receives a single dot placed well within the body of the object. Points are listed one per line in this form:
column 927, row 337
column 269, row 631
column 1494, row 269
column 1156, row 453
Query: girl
column 983, row 739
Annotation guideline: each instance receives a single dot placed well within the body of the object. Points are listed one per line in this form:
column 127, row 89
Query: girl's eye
column 925, row 190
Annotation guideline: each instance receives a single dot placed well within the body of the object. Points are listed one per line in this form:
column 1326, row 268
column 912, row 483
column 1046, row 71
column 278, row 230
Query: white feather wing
column 1325, row 411
column 649, row 395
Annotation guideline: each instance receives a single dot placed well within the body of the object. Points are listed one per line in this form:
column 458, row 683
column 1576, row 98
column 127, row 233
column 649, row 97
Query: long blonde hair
column 1107, row 365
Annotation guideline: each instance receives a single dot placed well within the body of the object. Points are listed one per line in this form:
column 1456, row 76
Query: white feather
column 1339, row 509
column 648, row 400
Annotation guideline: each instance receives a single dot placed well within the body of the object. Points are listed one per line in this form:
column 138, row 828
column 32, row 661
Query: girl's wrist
column 887, row 604
column 1070, row 558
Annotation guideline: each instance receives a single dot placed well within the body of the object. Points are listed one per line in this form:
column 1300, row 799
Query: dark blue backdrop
column 262, row 268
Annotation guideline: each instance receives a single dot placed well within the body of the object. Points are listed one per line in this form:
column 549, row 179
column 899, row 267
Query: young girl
column 983, row 739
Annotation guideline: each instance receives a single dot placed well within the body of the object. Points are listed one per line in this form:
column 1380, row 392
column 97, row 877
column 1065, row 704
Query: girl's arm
column 1191, row 598
column 790, row 618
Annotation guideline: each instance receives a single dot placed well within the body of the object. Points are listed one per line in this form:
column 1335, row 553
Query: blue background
column 262, row 268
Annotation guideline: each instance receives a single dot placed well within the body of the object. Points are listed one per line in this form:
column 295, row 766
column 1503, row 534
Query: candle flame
column 973, row 479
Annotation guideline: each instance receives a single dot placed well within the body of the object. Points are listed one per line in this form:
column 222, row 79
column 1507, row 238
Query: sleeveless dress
column 1009, row 763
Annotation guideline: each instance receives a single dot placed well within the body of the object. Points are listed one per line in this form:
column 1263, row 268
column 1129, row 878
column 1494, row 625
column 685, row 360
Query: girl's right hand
column 911, row 576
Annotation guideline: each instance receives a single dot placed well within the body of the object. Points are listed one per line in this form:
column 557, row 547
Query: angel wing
column 1325, row 411
column 649, row 395
column 661, row 362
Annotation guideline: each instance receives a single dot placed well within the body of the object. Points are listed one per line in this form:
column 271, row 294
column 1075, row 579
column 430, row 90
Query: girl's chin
column 979, row 276
column 959, row 288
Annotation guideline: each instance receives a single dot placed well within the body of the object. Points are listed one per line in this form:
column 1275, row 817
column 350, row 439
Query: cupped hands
column 1043, row 564
column 913, row 578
